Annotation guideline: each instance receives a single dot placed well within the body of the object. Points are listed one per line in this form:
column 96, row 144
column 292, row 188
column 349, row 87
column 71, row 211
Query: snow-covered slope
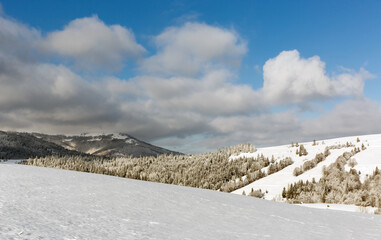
column 370, row 158
column 367, row 160
column 42, row 203
column 340, row 207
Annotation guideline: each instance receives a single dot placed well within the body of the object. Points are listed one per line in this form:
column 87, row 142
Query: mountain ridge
column 24, row 145
column 21, row 145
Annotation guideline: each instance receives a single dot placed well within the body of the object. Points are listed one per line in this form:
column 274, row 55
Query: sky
column 192, row 76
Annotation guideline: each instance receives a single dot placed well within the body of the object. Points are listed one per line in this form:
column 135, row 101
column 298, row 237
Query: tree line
column 209, row 170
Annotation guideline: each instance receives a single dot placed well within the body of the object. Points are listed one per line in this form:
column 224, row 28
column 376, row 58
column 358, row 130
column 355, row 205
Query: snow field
column 43, row 203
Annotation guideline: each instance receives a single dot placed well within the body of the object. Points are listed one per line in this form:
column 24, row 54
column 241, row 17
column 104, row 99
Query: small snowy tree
column 352, row 162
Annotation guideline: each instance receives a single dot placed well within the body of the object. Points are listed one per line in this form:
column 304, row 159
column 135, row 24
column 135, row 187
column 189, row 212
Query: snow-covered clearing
column 11, row 161
column 93, row 150
column 367, row 161
column 42, row 203
column 340, row 207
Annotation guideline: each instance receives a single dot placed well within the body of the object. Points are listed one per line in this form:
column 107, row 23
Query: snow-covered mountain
column 367, row 160
column 43, row 203
column 113, row 144
column 14, row 145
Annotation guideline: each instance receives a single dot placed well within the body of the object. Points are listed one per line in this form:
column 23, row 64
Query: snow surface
column 99, row 135
column 340, row 207
column 93, row 150
column 11, row 161
column 43, row 203
column 131, row 141
column 367, row 161
column 119, row 136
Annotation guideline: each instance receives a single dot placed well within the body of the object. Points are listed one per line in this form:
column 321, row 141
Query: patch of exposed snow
column 92, row 134
column 130, row 141
column 92, row 150
column 11, row 161
column 96, row 139
column 118, row 136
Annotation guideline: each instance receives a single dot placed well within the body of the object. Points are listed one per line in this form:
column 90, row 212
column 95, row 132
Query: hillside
column 111, row 145
column 366, row 162
column 15, row 145
column 43, row 203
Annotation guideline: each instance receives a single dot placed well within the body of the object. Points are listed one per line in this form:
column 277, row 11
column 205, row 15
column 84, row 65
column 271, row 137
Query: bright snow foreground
column 42, row 203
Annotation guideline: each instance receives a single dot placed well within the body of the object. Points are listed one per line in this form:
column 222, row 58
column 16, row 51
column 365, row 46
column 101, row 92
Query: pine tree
column 363, row 147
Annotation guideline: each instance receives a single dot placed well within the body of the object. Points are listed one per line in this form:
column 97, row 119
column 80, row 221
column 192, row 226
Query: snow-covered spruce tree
column 256, row 193
column 302, row 150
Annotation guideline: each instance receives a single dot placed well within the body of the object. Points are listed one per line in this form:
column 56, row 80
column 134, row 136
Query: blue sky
column 344, row 35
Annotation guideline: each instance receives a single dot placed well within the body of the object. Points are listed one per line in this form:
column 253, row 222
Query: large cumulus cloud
column 194, row 47
column 289, row 78
column 92, row 43
column 41, row 95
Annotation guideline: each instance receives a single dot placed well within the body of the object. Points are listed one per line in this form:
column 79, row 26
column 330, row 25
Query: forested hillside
column 110, row 145
column 15, row 145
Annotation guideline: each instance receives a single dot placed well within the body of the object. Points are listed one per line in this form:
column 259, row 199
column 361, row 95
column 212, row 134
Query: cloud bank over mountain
column 186, row 94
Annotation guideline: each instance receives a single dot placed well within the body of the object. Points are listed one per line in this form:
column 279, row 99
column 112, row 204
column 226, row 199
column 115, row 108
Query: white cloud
column 289, row 79
column 17, row 40
column 192, row 72
column 194, row 47
column 361, row 116
column 92, row 43
column 42, row 96
column 211, row 94
column 349, row 118
column 51, row 92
